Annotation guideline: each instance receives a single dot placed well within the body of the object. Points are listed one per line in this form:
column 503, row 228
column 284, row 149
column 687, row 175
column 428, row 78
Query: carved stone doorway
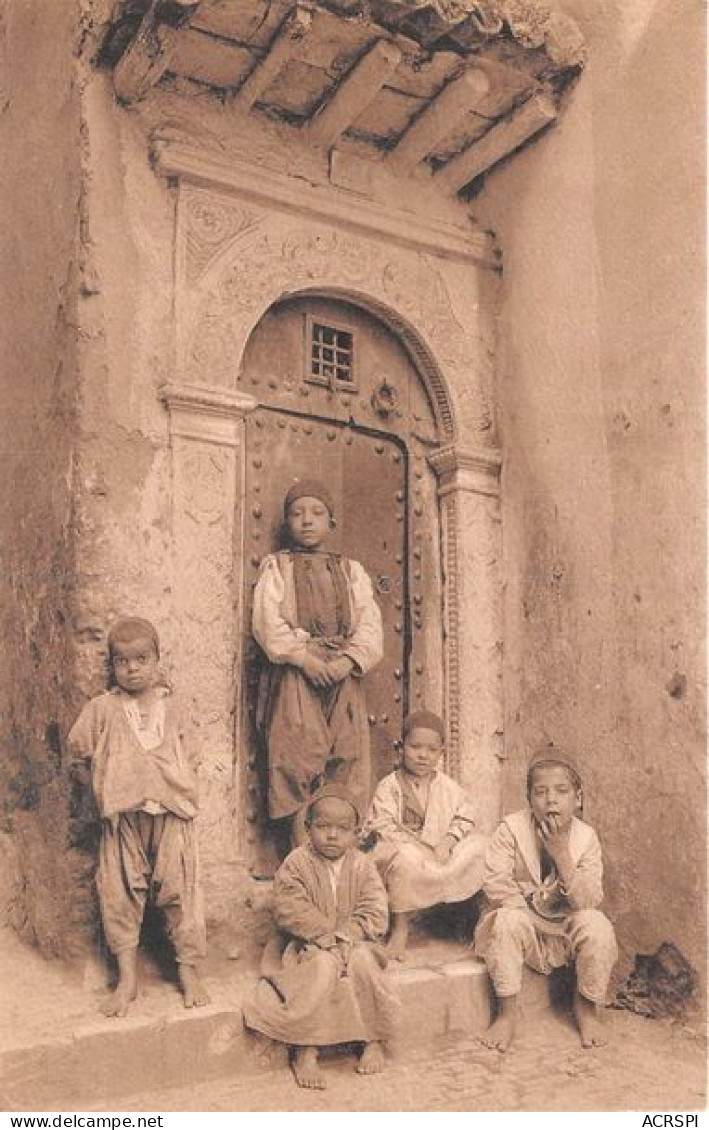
column 340, row 398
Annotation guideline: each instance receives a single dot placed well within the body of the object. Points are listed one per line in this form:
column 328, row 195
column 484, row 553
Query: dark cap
column 308, row 488
column 337, row 792
column 424, row 720
column 552, row 755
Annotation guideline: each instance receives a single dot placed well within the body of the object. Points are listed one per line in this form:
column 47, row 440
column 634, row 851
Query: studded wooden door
column 341, row 431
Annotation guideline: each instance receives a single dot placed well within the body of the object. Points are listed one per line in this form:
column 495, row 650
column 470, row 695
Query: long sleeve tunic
column 320, row 982
column 314, row 734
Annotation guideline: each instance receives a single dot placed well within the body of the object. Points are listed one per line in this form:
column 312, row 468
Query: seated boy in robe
column 426, row 847
column 544, row 882
column 322, row 979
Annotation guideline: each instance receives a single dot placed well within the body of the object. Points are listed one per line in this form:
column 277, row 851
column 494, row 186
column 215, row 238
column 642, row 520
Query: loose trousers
column 143, row 854
column 509, row 938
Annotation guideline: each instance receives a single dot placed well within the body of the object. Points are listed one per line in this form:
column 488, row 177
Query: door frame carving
column 235, row 258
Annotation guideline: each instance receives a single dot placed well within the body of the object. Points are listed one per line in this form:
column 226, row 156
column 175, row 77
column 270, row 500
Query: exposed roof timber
column 536, row 25
column 436, row 120
column 454, row 86
column 499, row 141
column 356, row 91
column 287, row 43
column 148, row 55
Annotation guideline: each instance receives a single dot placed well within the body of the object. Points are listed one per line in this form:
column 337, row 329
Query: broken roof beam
column 438, row 119
column 150, row 52
column 287, row 43
column 355, row 93
column 504, row 137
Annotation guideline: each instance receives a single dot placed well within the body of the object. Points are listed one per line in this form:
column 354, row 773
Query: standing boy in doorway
column 318, row 623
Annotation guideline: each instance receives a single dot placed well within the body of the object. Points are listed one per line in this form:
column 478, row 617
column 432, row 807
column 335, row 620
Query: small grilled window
column 331, row 355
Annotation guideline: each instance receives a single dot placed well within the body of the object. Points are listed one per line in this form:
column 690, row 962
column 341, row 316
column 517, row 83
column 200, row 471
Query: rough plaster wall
column 121, row 483
column 601, row 223
column 39, row 187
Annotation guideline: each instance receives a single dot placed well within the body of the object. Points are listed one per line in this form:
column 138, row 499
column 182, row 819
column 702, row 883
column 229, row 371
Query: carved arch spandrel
column 236, row 259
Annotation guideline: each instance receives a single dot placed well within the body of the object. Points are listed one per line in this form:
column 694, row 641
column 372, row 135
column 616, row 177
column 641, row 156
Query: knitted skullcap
column 424, row 720
column 308, row 488
column 338, row 792
column 132, row 628
column 551, row 755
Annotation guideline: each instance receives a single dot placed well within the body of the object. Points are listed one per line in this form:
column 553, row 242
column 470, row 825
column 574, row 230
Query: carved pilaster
column 206, row 440
column 468, row 491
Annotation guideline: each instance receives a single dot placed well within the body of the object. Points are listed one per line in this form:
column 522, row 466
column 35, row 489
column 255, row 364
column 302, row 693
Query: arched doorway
column 340, row 397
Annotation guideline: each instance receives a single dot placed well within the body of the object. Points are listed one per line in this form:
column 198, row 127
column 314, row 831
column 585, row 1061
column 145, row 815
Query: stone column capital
column 203, row 412
column 474, row 470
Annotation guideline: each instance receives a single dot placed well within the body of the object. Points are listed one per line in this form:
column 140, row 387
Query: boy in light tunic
column 544, row 883
column 427, row 849
column 145, row 786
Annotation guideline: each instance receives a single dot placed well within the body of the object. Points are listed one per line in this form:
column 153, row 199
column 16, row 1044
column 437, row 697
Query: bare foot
column 127, row 987
column 588, row 1018
column 500, row 1034
column 399, row 935
column 119, row 1001
column 194, row 993
column 372, row 1060
column 380, row 954
column 306, row 1069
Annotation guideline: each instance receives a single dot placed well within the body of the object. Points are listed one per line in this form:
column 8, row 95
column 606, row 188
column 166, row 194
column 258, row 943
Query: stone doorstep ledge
column 105, row 1058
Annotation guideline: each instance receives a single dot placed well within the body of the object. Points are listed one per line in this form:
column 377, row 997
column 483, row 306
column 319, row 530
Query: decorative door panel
column 341, row 400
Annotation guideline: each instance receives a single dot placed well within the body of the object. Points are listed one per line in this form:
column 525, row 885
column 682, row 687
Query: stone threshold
column 78, row 1057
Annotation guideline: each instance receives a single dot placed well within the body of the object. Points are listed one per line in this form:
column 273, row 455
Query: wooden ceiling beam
column 149, row 53
column 357, row 90
column 287, row 42
column 438, row 119
column 504, row 137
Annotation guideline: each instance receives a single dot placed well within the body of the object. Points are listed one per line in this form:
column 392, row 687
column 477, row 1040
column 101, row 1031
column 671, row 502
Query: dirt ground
column 649, row 1065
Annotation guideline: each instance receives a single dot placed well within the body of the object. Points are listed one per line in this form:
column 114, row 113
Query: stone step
column 100, row 1058
column 86, row 1058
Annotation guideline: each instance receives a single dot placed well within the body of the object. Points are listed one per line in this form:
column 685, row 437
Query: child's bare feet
column 588, row 1018
column 399, row 935
column 380, row 954
column 306, row 1069
column 501, row 1032
column 127, row 987
column 372, row 1060
column 194, row 993
column 119, row 1001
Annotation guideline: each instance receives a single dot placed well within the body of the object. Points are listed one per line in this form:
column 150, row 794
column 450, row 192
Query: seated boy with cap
column 543, row 884
column 422, row 821
column 322, row 978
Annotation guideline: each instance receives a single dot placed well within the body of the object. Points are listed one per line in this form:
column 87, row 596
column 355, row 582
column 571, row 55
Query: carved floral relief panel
column 235, row 258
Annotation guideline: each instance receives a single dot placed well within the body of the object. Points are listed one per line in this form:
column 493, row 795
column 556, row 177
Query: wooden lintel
column 287, row 41
column 498, row 142
column 356, row 91
column 149, row 53
column 439, row 118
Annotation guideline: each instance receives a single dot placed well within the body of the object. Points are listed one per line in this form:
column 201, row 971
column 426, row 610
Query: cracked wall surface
column 40, row 185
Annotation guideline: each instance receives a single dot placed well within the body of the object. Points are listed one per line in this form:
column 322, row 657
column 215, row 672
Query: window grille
column 330, row 356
